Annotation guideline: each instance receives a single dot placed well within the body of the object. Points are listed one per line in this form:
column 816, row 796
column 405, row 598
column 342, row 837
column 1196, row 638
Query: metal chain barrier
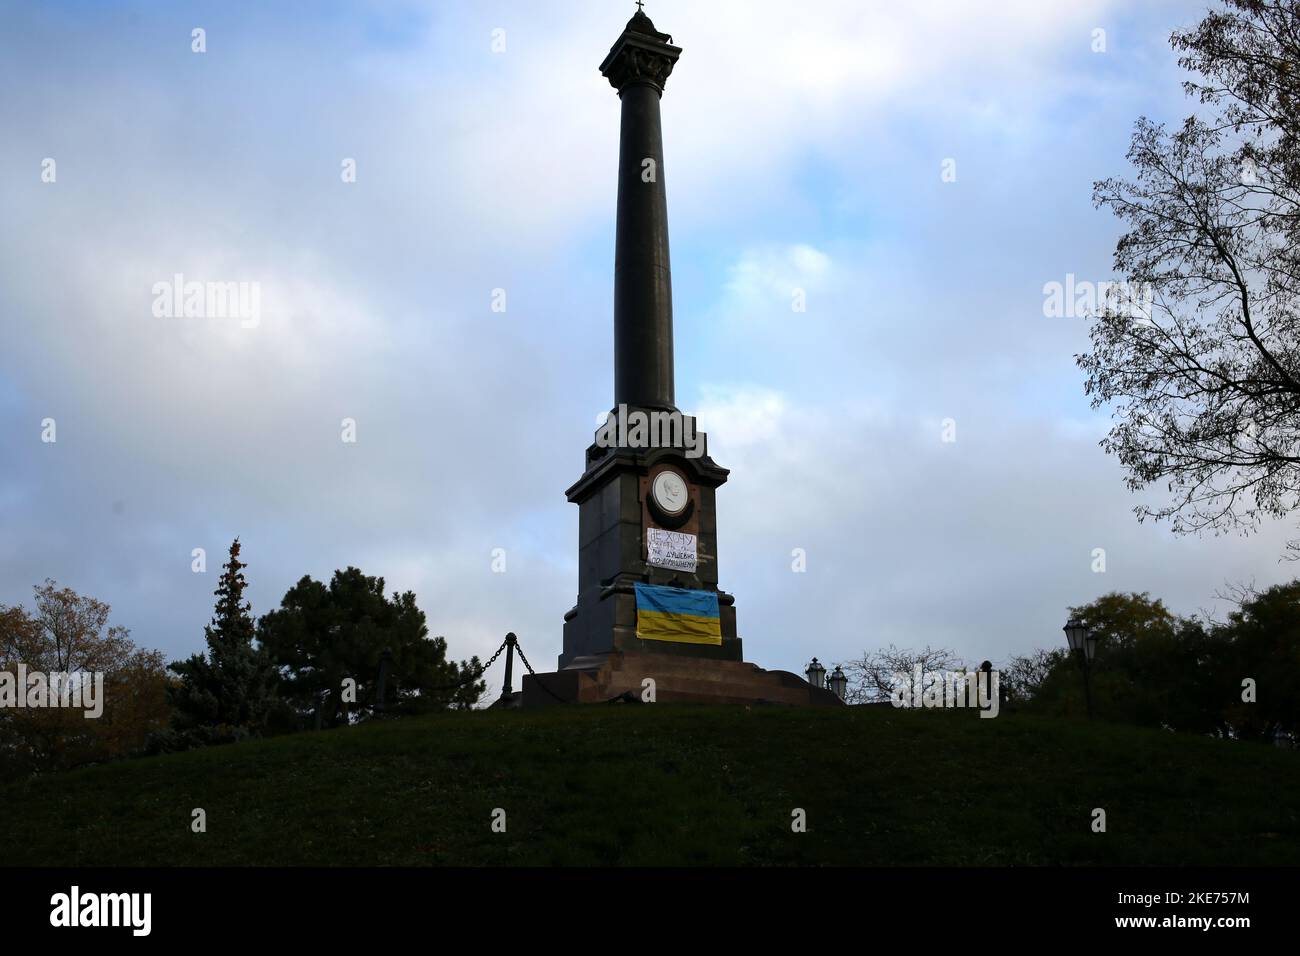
column 533, row 673
column 482, row 669
column 490, row 661
column 476, row 675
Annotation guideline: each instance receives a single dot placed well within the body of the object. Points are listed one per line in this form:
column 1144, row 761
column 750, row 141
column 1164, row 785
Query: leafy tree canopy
column 1204, row 381
column 323, row 636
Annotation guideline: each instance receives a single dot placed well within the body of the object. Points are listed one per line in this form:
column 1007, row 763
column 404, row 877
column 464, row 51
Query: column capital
column 640, row 55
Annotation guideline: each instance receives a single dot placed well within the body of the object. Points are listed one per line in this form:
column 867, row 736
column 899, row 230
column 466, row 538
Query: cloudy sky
column 805, row 148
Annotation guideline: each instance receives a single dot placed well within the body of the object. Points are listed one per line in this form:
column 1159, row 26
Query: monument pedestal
column 615, row 513
column 677, row 680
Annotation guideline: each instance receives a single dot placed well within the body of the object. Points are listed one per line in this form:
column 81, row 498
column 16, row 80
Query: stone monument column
column 638, row 66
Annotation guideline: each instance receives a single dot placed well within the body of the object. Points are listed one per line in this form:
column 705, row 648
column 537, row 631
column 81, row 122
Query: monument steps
column 676, row 680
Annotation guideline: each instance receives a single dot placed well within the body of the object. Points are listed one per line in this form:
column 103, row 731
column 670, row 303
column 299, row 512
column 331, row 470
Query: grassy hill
column 669, row 784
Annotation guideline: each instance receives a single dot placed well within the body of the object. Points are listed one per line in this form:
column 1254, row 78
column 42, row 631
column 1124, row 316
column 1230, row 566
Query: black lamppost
column 815, row 673
column 1084, row 645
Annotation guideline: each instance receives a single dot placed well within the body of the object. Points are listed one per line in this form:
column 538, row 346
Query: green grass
column 669, row 784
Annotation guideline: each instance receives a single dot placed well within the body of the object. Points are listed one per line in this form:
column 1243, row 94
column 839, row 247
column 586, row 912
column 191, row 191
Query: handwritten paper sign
column 671, row 549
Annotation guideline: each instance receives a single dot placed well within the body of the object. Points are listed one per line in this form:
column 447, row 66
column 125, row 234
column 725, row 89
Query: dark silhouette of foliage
column 229, row 694
column 1156, row 669
column 1205, row 382
column 322, row 638
column 68, row 633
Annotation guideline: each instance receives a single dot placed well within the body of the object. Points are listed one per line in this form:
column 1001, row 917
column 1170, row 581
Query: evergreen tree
column 230, row 693
column 328, row 642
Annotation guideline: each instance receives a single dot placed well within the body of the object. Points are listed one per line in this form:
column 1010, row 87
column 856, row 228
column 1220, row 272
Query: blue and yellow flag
column 677, row 614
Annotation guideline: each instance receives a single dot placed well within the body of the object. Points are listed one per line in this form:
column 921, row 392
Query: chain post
column 511, row 640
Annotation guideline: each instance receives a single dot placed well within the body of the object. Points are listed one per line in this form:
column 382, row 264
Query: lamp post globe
column 838, row 682
column 1075, row 633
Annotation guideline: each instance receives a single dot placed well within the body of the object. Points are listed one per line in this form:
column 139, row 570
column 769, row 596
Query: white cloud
column 773, row 274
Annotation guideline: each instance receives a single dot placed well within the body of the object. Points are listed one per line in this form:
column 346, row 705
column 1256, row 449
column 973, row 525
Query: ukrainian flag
column 677, row 614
